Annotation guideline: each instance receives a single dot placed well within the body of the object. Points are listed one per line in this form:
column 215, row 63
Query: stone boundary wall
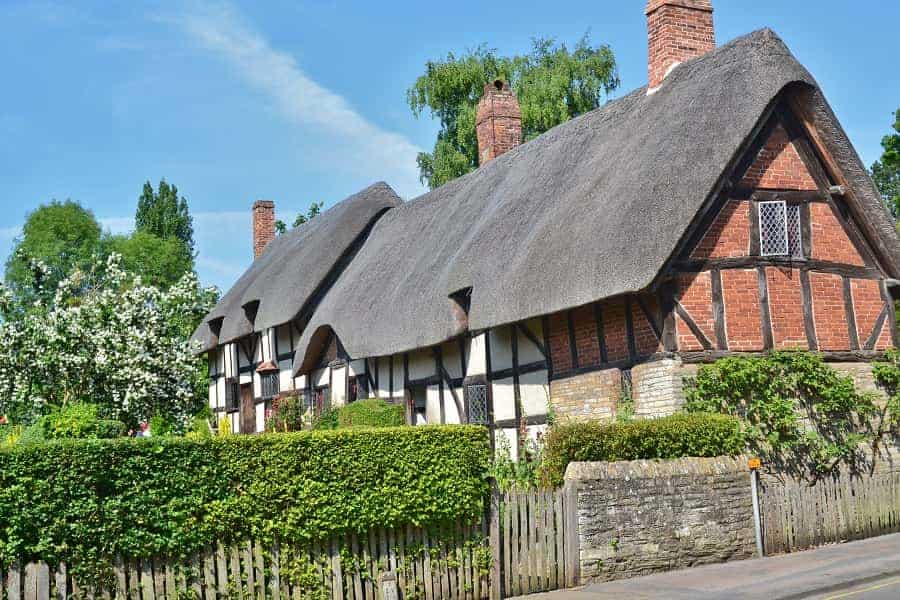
column 641, row 517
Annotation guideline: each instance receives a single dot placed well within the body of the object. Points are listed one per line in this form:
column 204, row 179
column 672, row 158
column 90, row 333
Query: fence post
column 754, row 495
column 573, row 546
column 494, row 515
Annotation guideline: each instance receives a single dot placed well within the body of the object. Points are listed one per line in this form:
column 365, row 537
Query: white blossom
column 106, row 339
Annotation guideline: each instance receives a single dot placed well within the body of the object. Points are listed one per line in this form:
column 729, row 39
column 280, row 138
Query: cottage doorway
column 248, row 410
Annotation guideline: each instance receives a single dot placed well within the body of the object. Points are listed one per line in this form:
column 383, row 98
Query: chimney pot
column 263, row 225
column 498, row 122
column 677, row 30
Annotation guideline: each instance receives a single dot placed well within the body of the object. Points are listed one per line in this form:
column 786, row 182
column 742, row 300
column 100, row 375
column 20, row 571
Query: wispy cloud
column 367, row 148
column 117, row 224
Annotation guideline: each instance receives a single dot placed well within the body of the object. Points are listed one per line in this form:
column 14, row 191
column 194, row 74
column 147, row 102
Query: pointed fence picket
column 797, row 514
column 445, row 566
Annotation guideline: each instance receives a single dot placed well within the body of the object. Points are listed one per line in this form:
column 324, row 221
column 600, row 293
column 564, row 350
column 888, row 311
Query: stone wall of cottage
column 640, row 517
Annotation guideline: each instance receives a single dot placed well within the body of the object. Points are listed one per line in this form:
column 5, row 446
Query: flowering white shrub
column 105, row 339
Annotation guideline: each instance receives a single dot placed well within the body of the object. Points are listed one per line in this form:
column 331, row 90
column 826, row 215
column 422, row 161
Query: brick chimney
column 498, row 122
column 677, row 30
column 263, row 225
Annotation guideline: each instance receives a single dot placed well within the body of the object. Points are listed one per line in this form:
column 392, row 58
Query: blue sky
column 297, row 101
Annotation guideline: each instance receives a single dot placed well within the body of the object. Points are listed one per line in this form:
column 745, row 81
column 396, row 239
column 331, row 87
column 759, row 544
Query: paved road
column 863, row 570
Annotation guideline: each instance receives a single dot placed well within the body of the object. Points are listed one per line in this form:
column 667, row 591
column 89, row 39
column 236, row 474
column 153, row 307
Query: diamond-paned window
column 269, row 384
column 779, row 229
column 476, row 401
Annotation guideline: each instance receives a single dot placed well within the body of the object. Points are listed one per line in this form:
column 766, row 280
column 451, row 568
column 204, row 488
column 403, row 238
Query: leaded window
column 779, row 229
column 477, row 403
column 269, row 384
column 232, row 395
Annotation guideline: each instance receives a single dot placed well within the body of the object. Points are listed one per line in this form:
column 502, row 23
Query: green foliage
column 314, row 210
column 160, row 262
column 80, row 421
column 56, row 238
column 800, row 413
column 887, row 375
column 288, row 414
column 886, row 171
column 86, row 501
column 522, row 474
column 675, row 436
column 553, row 84
column 104, row 339
column 161, row 426
column 163, row 214
column 373, row 412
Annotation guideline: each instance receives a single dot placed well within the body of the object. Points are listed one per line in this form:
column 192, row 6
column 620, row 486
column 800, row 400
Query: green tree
column 553, row 84
column 886, row 171
column 314, row 210
column 56, row 238
column 165, row 215
column 160, row 262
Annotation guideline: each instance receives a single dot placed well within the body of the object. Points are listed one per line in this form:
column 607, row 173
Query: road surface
column 862, row 570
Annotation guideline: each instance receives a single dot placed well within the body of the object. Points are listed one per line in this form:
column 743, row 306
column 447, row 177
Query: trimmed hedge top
column 373, row 412
column 677, row 436
column 89, row 500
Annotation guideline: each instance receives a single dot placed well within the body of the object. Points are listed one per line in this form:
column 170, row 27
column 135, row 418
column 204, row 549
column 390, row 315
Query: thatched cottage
column 721, row 209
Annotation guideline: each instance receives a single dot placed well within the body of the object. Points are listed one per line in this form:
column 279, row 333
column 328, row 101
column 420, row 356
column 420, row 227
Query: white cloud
column 366, row 148
column 117, row 224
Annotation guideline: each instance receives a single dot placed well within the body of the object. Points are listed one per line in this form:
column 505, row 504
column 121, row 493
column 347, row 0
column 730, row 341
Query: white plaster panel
column 421, row 364
column 475, row 357
column 534, row 393
column 451, row 358
column 320, row 377
column 398, row 375
column 451, row 414
column 433, row 404
column 284, row 339
column 285, row 381
column 338, row 387
column 504, row 399
column 501, row 350
column 384, row 377
column 261, row 417
column 528, row 352
column 357, row 367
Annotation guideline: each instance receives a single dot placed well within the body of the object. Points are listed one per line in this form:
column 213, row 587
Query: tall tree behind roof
column 552, row 83
column 165, row 215
column 886, row 171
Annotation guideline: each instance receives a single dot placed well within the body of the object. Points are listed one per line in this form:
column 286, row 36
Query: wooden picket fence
column 457, row 565
column 796, row 515
column 538, row 541
column 527, row 542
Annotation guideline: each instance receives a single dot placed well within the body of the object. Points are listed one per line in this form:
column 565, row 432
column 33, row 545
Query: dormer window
column 779, row 229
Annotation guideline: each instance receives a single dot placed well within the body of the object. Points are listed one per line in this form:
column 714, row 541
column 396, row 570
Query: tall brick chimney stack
column 677, row 30
column 263, row 225
column 498, row 122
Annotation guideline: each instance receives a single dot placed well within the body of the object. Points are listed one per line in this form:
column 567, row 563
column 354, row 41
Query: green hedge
column 373, row 412
column 85, row 501
column 670, row 437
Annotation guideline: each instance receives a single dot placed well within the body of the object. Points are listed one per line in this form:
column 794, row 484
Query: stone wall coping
column 647, row 469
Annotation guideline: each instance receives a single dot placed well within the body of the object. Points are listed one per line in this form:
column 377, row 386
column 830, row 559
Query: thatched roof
column 591, row 209
column 293, row 267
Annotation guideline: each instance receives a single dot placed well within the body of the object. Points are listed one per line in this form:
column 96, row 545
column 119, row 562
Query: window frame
column 792, row 244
